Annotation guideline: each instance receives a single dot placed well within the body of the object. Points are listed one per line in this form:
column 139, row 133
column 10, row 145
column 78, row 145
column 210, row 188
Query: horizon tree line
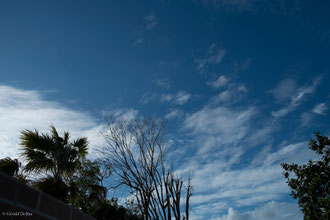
column 59, row 167
column 136, row 155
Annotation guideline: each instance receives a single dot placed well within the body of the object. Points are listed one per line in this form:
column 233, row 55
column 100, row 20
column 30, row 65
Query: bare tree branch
column 136, row 154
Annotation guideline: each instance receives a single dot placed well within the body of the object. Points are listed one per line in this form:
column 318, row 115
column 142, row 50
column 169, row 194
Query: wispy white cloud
column 270, row 211
column 235, row 215
column 219, row 82
column 213, row 55
column 259, row 182
column 182, row 97
column 303, row 91
column 307, row 117
column 231, row 5
column 232, row 94
column 29, row 109
column 162, row 83
column 166, row 98
column 241, row 66
column 139, row 40
column 320, row 109
column 278, row 211
column 222, row 97
column 284, row 90
column 215, row 125
column 262, row 134
column 174, row 113
column 267, row 158
column 208, row 210
column 242, row 88
column 223, row 135
column 123, row 113
column 282, row 7
column 151, row 20
column 296, row 98
column 148, row 97
column 179, row 98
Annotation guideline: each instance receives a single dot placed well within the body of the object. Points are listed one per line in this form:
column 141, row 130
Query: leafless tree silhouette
column 136, row 153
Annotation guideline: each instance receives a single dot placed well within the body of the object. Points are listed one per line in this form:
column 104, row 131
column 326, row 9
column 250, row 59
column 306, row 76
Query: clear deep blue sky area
column 243, row 84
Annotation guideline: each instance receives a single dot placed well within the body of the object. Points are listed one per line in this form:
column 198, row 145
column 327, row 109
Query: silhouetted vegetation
column 9, row 166
column 54, row 157
column 136, row 154
column 59, row 168
column 13, row 168
column 110, row 210
column 85, row 188
column 310, row 182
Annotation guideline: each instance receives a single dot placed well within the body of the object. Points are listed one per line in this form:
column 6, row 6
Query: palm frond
column 82, row 145
column 54, row 131
column 37, row 161
column 32, row 140
column 66, row 137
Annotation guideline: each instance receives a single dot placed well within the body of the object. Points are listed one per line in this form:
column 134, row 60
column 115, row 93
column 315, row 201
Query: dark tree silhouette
column 54, row 156
column 310, row 182
column 9, row 166
column 136, row 154
column 86, row 190
column 67, row 175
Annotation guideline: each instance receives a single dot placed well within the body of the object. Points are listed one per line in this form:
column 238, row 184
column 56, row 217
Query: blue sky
column 242, row 83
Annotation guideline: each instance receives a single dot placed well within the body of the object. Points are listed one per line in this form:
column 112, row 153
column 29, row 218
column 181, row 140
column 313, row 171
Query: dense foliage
column 310, row 182
column 85, row 186
column 60, row 169
column 12, row 167
column 9, row 166
column 111, row 210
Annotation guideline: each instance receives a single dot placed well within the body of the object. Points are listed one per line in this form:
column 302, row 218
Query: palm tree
column 54, row 156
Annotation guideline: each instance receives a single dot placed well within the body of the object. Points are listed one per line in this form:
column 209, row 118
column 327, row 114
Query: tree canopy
column 61, row 170
column 53, row 156
column 310, row 182
column 9, row 166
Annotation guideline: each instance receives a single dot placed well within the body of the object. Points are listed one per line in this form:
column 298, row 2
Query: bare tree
column 136, row 153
